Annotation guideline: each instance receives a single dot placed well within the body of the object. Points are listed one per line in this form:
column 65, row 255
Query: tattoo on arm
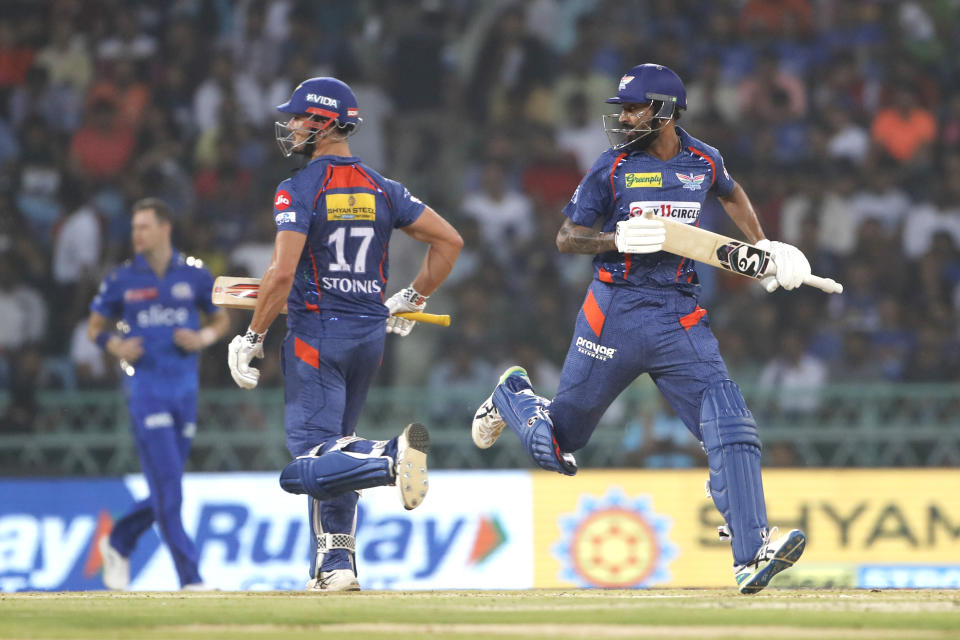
column 573, row 238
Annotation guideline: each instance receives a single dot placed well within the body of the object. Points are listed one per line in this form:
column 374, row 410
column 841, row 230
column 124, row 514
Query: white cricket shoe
column 336, row 580
column 197, row 586
column 116, row 568
column 411, row 470
column 487, row 423
column 773, row 557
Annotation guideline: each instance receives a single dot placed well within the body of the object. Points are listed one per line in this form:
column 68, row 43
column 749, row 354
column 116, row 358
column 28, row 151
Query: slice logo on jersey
column 641, row 180
column 691, row 182
column 160, row 316
column 679, row 210
column 594, row 350
column 351, row 206
column 282, row 200
column 615, row 542
column 140, row 295
column 285, row 217
column 182, row 291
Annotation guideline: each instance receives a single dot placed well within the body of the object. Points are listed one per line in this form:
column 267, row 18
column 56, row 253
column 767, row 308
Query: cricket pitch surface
column 713, row 614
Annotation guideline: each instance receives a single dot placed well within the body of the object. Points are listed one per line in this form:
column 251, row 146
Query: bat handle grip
column 828, row 285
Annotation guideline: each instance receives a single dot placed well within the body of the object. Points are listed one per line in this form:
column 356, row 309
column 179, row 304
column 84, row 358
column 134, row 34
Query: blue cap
column 647, row 82
column 327, row 97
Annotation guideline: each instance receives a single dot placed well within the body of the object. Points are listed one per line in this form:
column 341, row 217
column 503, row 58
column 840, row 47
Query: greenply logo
column 636, row 180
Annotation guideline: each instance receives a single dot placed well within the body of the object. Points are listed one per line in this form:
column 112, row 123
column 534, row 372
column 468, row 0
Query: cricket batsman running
column 640, row 315
column 334, row 221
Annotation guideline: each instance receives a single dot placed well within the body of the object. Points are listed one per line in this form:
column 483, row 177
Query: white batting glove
column 240, row 352
column 792, row 266
column 640, row 235
column 404, row 301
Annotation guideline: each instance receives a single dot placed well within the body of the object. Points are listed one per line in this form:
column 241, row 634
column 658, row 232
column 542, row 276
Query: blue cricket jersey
column 625, row 183
column 347, row 211
column 154, row 308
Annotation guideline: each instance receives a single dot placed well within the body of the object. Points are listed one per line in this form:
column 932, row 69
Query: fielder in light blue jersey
column 640, row 315
column 159, row 296
column 334, row 220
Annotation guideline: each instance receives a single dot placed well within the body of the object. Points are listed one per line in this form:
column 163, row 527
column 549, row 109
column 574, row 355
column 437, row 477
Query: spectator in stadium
column 905, row 128
column 159, row 296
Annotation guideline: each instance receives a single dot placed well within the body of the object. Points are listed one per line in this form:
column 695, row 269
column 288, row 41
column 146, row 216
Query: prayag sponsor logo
column 640, row 180
column 349, row 285
column 351, row 206
column 594, row 350
column 613, row 541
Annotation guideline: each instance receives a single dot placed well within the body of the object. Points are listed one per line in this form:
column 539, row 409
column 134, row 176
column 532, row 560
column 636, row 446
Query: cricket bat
column 731, row 255
column 241, row 293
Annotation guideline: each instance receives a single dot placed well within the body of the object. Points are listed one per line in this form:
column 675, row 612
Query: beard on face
column 641, row 140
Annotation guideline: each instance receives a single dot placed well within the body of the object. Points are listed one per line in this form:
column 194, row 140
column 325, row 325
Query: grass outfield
column 704, row 614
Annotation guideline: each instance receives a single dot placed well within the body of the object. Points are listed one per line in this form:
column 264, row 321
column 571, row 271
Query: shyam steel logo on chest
column 351, row 206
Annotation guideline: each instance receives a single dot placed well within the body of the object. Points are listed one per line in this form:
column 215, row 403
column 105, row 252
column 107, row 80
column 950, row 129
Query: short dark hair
column 160, row 208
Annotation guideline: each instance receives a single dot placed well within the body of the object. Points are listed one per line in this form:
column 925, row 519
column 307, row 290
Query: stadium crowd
column 841, row 118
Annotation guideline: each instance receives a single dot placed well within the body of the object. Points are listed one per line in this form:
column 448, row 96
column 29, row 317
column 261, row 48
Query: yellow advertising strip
column 351, row 206
column 616, row 528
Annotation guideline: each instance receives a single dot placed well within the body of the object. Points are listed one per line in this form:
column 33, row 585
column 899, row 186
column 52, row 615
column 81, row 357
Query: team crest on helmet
column 690, row 181
column 624, row 81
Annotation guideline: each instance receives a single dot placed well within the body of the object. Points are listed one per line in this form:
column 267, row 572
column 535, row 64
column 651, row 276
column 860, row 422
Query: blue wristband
column 102, row 339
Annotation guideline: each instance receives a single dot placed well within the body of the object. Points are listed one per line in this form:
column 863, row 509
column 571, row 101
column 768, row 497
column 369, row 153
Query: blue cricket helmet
column 652, row 83
column 326, row 97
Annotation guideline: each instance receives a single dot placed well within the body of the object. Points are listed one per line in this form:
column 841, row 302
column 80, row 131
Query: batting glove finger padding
column 404, row 301
column 240, row 352
column 792, row 266
column 640, row 235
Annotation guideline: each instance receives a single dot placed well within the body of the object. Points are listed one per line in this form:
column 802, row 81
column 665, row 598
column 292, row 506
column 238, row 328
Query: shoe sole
column 412, row 449
column 785, row 558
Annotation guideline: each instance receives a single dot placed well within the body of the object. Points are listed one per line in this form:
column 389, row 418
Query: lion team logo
column 690, row 181
column 615, row 542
